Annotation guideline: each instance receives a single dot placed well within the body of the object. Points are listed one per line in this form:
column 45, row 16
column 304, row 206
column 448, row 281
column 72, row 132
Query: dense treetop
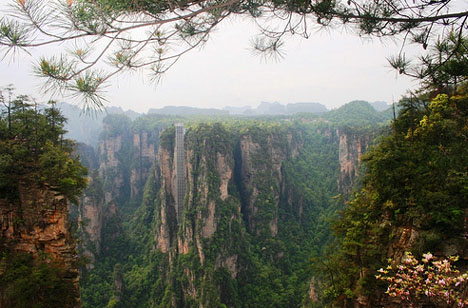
column 33, row 150
column 416, row 180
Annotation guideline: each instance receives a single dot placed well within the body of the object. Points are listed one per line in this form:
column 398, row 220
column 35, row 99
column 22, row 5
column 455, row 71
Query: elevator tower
column 179, row 154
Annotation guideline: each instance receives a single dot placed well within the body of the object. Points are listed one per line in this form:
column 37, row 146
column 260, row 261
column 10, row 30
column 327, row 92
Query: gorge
column 258, row 199
column 209, row 211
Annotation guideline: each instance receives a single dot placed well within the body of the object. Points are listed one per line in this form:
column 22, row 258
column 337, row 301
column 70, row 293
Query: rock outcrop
column 37, row 224
column 351, row 148
column 234, row 186
column 250, row 197
column 91, row 219
column 144, row 155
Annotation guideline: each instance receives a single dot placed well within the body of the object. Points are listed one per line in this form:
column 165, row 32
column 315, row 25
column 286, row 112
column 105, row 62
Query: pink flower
column 426, row 257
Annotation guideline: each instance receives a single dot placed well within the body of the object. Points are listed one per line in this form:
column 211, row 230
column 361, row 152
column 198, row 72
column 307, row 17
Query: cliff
column 90, row 219
column 259, row 195
column 124, row 156
column 127, row 151
column 352, row 145
column 40, row 177
column 37, row 225
column 249, row 201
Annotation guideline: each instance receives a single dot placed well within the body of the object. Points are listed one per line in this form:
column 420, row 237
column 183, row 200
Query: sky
column 332, row 67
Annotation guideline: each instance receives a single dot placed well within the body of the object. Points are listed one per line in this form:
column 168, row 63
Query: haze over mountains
column 85, row 128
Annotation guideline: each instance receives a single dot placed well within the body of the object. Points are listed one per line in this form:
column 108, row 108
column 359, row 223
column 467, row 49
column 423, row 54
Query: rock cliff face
column 37, row 224
column 351, row 148
column 236, row 173
column 110, row 167
column 254, row 192
column 237, row 193
column 144, row 154
column 166, row 227
column 90, row 220
column 259, row 163
column 125, row 159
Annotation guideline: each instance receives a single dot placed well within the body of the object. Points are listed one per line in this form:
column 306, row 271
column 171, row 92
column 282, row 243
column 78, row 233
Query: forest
column 300, row 210
column 249, row 244
column 351, row 207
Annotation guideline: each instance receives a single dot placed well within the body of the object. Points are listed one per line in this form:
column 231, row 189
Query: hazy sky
column 331, row 67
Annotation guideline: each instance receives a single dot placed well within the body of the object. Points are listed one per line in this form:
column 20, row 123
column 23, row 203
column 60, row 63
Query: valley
column 260, row 194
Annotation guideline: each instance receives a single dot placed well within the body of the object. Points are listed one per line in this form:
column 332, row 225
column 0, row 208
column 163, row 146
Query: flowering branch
column 431, row 281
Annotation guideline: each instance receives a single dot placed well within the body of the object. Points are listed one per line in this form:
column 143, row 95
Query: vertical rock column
column 179, row 154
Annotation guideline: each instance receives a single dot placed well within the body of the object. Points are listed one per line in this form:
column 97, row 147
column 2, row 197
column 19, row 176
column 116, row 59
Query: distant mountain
column 275, row 108
column 357, row 113
column 380, row 106
column 183, row 110
column 244, row 110
column 86, row 127
column 306, row 107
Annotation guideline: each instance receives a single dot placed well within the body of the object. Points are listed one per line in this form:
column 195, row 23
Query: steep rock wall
column 145, row 145
column 125, row 160
column 166, row 215
column 352, row 145
column 119, row 170
column 37, row 224
column 110, row 167
column 234, row 189
column 90, row 219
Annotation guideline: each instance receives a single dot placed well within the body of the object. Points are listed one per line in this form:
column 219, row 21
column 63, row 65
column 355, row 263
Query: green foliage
column 115, row 125
column 33, row 150
column 444, row 66
column 245, row 262
column 39, row 283
column 416, row 179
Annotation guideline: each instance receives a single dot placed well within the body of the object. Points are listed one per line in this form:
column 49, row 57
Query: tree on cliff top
column 111, row 31
column 33, row 150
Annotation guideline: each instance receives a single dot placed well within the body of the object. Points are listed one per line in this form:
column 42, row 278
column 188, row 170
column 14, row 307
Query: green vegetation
column 34, row 152
column 270, row 239
column 35, row 283
column 267, row 244
column 259, row 252
column 358, row 114
column 414, row 195
column 263, row 243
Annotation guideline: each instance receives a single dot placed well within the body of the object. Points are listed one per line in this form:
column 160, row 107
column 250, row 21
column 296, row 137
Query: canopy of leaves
column 443, row 68
column 417, row 179
column 40, row 283
column 34, row 152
